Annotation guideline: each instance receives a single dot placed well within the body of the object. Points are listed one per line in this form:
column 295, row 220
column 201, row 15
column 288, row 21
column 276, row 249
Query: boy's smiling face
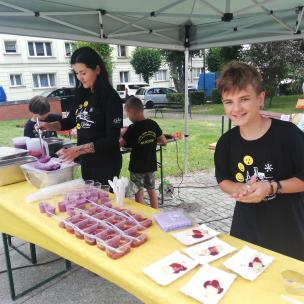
column 243, row 106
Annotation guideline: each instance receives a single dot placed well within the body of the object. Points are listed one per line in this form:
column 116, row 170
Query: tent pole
column 186, row 109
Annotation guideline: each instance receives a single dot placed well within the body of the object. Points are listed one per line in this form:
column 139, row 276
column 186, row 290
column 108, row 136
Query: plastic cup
column 88, row 183
column 97, row 185
column 105, row 188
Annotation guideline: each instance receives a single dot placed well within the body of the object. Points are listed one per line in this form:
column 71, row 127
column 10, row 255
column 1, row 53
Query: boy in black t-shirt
column 39, row 106
column 142, row 136
column 260, row 164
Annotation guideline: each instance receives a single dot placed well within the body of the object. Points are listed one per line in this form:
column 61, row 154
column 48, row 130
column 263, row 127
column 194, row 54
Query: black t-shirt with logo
column 277, row 222
column 29, row 127
column 142, row 136
column 98, row 121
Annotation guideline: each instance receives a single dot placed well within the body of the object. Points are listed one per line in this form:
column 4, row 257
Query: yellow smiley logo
column 80, row 106
column 241, row 167
column 78, row 126
column 85, row 104
column 239, row 177
column 248, row 160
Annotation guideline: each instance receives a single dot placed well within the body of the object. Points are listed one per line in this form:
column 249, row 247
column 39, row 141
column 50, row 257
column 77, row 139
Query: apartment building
column 30, row 65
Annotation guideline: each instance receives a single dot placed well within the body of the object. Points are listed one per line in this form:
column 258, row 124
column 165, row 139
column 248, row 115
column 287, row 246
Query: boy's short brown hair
column 39, row 105
column 134, row 103
column 236, row 75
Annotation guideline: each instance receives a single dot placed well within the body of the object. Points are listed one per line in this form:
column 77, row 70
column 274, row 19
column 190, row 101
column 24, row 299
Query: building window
column 44, row 80
column 196, row 72
column 68, row 48
column 122, row 51
column 72, row 79
column 124, row 76
column 40, row 49
column 16, row 80
column 161, row 75
column 10, row 46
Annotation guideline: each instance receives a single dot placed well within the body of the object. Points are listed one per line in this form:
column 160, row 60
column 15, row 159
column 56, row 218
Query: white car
column 128, row 89
column 153, row 95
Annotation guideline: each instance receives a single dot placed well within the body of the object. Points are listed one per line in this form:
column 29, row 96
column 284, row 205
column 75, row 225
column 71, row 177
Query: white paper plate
column 249, row 263
column 208, row 285
column 209, row 251
column 195, row 235
column 170, row 268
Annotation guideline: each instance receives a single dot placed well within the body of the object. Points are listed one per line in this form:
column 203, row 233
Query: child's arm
column 162, row 140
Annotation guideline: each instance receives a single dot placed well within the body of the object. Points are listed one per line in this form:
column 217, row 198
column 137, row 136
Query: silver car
column 153, row 95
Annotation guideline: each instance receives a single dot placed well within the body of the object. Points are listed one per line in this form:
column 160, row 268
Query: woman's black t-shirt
column 98, row 122
column 277, row 222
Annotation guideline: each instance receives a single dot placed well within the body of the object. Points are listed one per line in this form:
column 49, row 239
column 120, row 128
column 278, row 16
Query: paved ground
column 197, row 194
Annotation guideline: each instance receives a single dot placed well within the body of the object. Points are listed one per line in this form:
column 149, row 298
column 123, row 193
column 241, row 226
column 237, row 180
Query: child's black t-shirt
column 277, row 222
column 29, row 128
column 142, row 136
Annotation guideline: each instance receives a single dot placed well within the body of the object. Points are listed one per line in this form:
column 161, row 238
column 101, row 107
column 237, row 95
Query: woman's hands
column 68, row 154
column 252, row 192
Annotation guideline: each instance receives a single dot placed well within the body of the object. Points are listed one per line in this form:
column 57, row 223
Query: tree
column 146, row 62
column 104, row 51
column 176, row 62
column 217, row 57
column 276, row 61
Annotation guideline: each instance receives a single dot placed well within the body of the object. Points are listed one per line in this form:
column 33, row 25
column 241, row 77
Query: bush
column 176, row 97
column 216, row 96
column 197, row 98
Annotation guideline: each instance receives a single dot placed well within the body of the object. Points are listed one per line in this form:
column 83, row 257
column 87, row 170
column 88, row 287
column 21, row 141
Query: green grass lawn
column 201, row 134
column 280, row 104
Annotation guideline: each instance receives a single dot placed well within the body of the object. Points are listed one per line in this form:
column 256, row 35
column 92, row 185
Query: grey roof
column 156, row 23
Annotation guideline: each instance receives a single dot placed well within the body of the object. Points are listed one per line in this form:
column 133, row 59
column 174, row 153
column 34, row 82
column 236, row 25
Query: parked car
column 153, row 95
column 65, row 95
column 128, row 89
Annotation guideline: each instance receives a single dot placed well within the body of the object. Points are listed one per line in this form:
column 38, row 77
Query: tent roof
column 156, row 23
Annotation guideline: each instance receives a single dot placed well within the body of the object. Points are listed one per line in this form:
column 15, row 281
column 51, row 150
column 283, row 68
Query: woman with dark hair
column 97, row 116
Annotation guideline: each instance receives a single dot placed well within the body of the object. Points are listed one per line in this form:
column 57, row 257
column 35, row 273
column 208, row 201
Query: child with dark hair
column 142, row 136
column 260, row 163
column 39, row 106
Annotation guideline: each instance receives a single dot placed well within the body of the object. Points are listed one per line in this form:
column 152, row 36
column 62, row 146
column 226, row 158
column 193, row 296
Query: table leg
column 161, row 175
column 9, row 269
column 32, row 258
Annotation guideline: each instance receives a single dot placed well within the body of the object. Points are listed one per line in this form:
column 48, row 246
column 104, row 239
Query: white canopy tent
column 169, row 24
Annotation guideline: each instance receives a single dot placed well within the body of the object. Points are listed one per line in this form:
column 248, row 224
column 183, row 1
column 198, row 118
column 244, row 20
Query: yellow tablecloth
column 24, row 220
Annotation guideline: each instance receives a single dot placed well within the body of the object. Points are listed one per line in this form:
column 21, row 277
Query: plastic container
column 20, row 142
column 41, row 179
column 117, row 247
column 137, row 237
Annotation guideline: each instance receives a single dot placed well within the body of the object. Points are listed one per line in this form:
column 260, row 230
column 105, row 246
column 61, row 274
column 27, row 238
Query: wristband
column 279, row 187
column 271, row 188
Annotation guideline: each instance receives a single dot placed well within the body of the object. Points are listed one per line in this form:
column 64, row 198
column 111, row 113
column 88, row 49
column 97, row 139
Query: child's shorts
column 143, row 180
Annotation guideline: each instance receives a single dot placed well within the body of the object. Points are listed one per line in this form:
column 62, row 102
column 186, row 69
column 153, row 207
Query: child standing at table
column 142, row 137
column 40, row 107
column 260, row 163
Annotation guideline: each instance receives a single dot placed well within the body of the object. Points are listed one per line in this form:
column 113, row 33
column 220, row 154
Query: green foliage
column 214, row 60
column 218, row 57
column 146, row 62
column 197, row 98
column 104, row 51
column 277, row 61
column 216, row 96
column 176, row 97
column 176, row 62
